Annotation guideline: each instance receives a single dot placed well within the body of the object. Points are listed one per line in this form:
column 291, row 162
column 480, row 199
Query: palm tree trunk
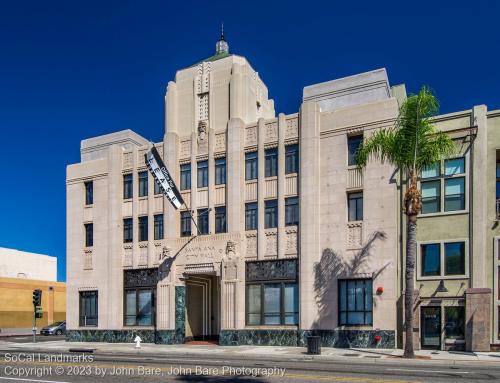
column 411, row 249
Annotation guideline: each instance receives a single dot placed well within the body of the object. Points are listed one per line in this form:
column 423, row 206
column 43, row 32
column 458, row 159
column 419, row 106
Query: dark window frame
column 423, row 255
column 143, row 228
column 292, row 211
column 82, row 318
column 202, row 174
column 220, row 219
column 251, row 165
column 89, row 193
column 128, row 186
column 353, row 141
column 270, row 214
column 220, row 171
column 365, row 310
column 128, row 228
column 185, row 176
column 251, row 216
column 153, row 303
column 203, row 221
column 282, row 284
column 447, row 326
column 271, row 162
column 142, row 185
column 292, row 159
column 185, row 218
column 89, row 234
column 158, row 227
column 446, row 261
column 357, row 198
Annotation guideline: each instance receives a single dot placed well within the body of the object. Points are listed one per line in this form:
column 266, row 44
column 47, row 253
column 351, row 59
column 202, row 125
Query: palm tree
column 411, row 145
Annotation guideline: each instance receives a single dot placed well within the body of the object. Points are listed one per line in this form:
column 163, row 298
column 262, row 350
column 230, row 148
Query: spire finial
column 221, row 46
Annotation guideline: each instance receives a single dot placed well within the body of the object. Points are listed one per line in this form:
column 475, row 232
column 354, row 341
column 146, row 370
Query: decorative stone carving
column 231, row 249
column 166, row 252
column 140, row 278
column 251, row 246
column 87, row 259
column 143, row 254
column 272, row 132
column 251, row 136
column 127, row 160
column 271, row 270
column 127, row 256
column 202, row 131
column 220, row 142
column 271, row 243
column 354, row 235
column 292, row 128
column 185, row 149
column 291, row 242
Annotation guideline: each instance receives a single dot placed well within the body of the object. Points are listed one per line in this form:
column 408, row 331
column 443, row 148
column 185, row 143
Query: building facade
column 21, row 273
column 288, row 238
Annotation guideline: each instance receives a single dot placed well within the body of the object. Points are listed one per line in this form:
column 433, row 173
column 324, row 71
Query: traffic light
column 39, row 312
column 37, row 297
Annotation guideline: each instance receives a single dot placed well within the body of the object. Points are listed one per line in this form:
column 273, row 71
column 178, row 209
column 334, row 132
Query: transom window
column 442, row 259
column 251, row 166
column 443, row 186
column 271, row 156
column 355, row 302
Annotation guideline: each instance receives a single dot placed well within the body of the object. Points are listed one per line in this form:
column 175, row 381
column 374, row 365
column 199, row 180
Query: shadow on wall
column 329, row 269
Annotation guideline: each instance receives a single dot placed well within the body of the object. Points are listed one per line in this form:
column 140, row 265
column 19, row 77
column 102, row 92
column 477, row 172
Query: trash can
column 314, row 345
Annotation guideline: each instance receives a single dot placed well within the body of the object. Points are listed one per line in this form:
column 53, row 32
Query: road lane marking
column 33, row 380
column 436, row 371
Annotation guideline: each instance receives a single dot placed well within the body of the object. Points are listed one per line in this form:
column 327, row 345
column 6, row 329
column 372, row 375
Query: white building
column 22, row 264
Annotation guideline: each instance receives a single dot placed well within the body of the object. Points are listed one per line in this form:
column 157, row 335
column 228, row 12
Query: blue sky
column 72, row 70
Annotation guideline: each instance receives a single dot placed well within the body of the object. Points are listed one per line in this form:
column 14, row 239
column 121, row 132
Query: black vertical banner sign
column 162, row 178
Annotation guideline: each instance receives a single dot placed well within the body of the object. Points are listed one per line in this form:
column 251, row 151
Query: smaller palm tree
column 411, row 145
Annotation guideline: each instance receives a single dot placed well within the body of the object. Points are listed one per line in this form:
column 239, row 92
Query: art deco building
column 291, row 238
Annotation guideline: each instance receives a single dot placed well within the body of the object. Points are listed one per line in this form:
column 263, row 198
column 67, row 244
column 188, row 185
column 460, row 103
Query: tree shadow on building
column 333, row 266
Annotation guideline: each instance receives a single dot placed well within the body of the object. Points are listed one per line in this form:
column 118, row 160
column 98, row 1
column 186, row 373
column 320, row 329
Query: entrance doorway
column 202, row 307
column 431, row 327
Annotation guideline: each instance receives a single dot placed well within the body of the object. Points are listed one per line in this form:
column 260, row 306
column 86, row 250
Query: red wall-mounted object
column 380, row 290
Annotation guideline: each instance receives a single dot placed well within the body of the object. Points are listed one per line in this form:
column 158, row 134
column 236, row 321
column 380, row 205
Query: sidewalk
column 17, row 331
column 256, row 352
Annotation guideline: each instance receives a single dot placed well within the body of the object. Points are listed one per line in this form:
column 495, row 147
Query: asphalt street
column 29, row 338
column 27, row 367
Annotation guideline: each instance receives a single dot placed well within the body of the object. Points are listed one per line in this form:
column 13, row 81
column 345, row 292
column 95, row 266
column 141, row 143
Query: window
column 291, row 159
column 158, row 219
column 143, row 184
column 449, row 254
column 454, row 322
column 127, row 186
column 251, row 168
column 89, row 234
column 454, row 254
column 88, row 308
column 431, row 259
column 353, row 144
column 203, row 221
column 139, row 307
column 271, row 157
column 202, row 174
column 220, row 219
column 89, row 193
column 185, row 224
column 157, row 188
column 291, row 211
column 454, row 194
column 355, row 302
column 272, row 304
column 127, row 230
column 271, row 214
column 251, row 217
column 185, row 176
column 143, row 228
column 220, row 171
column 498, row 180
column 450, row 183
column 431, row 197
column 355, row 206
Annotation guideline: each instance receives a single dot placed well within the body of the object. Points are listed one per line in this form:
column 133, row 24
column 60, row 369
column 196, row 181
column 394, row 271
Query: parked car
column 57, row 328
